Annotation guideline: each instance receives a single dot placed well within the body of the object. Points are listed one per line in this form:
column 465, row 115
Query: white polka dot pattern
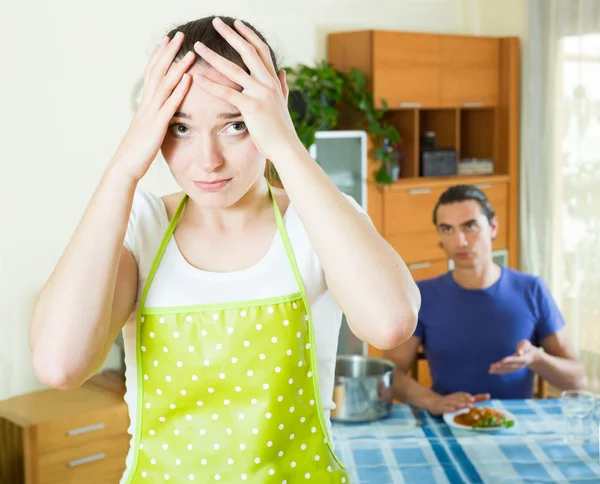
column 220, row 380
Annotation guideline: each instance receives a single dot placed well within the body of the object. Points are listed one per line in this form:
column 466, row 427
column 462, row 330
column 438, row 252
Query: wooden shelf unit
column 466, row 90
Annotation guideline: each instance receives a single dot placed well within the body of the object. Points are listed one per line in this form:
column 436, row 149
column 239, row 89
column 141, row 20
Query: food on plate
column 483, row 417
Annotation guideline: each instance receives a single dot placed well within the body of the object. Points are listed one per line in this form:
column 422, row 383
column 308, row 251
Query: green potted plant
column 318, row 93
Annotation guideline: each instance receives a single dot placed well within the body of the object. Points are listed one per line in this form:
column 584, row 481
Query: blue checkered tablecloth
column 397, row 450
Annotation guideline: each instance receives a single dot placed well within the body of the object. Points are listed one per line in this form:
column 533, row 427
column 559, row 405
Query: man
column 482, row 325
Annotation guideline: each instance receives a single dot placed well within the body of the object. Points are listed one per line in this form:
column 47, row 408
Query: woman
column 234, row 287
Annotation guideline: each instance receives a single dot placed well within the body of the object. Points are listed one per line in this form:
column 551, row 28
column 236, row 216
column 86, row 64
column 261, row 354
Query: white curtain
column 560, row 163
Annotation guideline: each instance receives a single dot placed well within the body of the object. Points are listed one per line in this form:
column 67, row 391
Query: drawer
column 417, row 247
column 410, row 210
column 97, row 462
column 82, row 428
column 497, row 193
column 429, row 269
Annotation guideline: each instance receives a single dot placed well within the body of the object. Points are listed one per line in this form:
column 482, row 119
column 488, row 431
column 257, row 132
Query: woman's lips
column 212, row 186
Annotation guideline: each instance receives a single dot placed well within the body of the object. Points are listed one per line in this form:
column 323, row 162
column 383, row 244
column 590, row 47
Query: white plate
column 449, row 419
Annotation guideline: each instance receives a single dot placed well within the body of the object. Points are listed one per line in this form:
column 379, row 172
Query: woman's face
column 208, row 148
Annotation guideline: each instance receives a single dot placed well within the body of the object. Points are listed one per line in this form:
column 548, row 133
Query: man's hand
column 455, row 401
column 524, row 356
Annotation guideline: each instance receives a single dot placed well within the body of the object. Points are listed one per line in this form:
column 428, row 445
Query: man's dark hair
column 461, row 193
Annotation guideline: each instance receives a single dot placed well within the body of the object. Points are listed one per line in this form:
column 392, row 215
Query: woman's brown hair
column 202, row 30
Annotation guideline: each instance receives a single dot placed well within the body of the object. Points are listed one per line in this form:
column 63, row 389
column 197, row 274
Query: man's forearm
column 408, row 390
column 561, row 373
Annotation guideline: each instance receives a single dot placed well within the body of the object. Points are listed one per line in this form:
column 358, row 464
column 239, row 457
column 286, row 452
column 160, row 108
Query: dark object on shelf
column 438, row 162
column 428, row 140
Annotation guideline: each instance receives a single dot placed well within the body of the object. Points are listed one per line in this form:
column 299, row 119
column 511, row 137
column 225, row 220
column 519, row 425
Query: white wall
column 68, row 69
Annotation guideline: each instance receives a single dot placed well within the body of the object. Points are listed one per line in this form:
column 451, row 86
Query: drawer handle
column 477, row 104
column 86, row 460
column 409, row 105
column 419, row 191
column 419, row 265
column 83, row 430
column 483, row 185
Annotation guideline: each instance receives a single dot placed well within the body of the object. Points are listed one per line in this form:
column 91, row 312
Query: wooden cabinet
column 470, row 73
column 466, row 90
column 54, row 436
column 422, row 70
column 406, row 69
column 428, row 269
column 408, row 216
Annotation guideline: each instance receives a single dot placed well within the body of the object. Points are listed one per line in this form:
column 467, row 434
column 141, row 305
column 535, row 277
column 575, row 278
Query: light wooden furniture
column 466, row 90
column 410, row 69
column 52, row 436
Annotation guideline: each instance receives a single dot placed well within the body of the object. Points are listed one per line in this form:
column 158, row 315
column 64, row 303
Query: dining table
column 412, row 446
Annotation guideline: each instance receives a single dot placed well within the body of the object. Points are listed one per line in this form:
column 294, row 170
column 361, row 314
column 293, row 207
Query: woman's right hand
column 165, row 85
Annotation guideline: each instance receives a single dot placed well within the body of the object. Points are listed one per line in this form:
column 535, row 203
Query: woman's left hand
column 263, row 99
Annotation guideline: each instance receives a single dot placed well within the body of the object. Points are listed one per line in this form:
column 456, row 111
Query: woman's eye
column 239, row 127
column 178, row 130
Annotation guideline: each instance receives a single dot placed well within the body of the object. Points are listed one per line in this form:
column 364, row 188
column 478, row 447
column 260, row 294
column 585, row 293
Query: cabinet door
column 428, row 269
column 470, row 74
column 408, row 222
column 406, row 69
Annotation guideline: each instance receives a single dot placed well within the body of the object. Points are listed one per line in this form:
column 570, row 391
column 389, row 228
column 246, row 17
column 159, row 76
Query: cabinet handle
column 483, row 185
column 409, row 105
column 86, row 460
column 419, row 191
column 83, row 430
column 477, row 104
column 419, row 265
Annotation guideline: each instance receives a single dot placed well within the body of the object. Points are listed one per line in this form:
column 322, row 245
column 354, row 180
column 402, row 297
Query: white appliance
column 343, row 156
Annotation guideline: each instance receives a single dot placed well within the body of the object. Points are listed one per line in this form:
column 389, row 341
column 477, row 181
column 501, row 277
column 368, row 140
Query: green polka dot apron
column 230, row 392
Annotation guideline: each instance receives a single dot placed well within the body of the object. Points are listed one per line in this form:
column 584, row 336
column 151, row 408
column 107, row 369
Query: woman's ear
column 284, row 87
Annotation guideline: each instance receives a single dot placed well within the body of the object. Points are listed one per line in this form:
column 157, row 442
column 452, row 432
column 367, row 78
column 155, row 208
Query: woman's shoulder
column 144, row 202
column 147, row 220
column 282, row 199
column 171, row 202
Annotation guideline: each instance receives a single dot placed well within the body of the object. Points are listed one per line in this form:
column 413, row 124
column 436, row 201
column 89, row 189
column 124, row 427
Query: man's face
column 465, row 233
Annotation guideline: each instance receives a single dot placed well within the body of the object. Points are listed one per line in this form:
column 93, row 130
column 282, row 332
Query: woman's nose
column 209, row 156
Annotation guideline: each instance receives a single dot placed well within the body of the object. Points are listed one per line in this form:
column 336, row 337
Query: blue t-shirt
column 464, row 331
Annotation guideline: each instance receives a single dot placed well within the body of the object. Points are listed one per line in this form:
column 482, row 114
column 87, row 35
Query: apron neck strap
column 175, row 220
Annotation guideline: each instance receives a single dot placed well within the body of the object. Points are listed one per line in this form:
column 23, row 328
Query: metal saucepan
column 363, row 388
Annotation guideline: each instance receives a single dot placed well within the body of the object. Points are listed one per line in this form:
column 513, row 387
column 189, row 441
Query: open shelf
column 479, row 134
column 471, row 132
column 406, row 122
column 444, row 123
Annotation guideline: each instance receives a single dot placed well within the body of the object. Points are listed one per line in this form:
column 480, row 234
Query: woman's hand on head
column 263, row 99
column 165, row 85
